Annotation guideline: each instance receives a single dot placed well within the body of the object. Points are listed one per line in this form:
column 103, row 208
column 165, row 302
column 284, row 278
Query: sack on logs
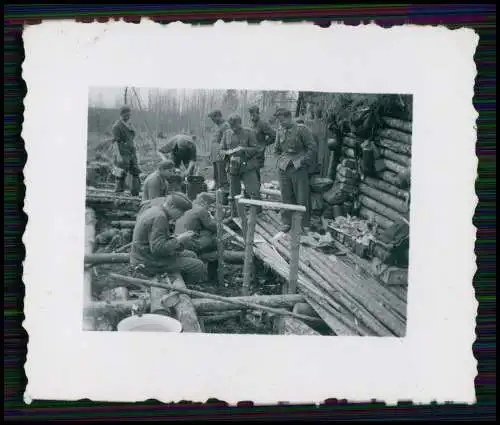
column 335, row 196
column 346, row 172
column 396, row 135
column 352, row 142
column 320, row 184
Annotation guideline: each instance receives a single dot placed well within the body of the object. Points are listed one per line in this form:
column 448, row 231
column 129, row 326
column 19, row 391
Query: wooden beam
column 207, row 305
column 272, row 205
column 106, row 258
column 248, row 264
column 294, row 252
column 219, row 215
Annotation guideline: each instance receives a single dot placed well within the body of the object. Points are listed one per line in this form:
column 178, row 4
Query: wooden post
column 184, row 309
column 90, row 221
column 242, row 214
column 219, row 216
column 294, row 252
column 247, row 267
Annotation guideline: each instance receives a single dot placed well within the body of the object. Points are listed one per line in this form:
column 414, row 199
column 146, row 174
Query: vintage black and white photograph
column 247, row 212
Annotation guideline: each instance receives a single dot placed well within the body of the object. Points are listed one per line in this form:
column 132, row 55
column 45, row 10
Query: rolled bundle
column 368, row 214
column 387, row 187
column 398, row 124
column 398, row 136
column 404, row 160
column 351, row 142
column 381, row 209
column 385, row 198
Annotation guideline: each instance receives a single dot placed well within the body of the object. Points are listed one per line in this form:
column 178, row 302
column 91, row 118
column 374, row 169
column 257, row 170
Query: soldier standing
column 240, row 147
column 125, row 154
column 295, row 147
column 220, row 176
column 264, row 133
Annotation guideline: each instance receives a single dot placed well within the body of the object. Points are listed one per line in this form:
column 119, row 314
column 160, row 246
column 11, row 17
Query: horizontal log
column 201, row 294
column 404, row 160
column 214, row 318
column 397, row 124
column 111, row 258
column 380, row 208
column 123, row 224
column 270, row 192
column 393, row 166
column 126, row 306
column 396, row 147
column 392, row 201
column 379, row 219
column 272, row 205
column 398, row 136
column 291, row 326
column 204, row 305
column 389, row 177
column 304, row 308
column 387, row 187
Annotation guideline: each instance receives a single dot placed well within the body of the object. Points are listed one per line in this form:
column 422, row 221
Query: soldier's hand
column 222, row 154
column 186, row 236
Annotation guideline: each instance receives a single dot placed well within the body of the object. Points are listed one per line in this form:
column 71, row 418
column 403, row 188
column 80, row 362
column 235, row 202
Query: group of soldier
column 238, row 156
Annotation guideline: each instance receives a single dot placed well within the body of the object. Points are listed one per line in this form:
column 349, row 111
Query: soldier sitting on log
column 155, row 251
column 156, row 184
column 296, row 147
column 242, row 153
column 199, row 220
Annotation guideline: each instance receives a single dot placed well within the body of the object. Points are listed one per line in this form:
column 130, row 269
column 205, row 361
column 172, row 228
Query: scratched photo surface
column 266, row 212
column 298, row 202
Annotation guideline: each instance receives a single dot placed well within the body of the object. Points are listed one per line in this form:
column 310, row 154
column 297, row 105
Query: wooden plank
column 294, row 252
column 220, row 243
column 205, row 305
column 272, row 205
column 248, row 264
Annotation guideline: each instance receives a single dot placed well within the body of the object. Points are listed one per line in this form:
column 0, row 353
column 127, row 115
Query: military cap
column 215, row 113
column 124, row 109
column 180, row 201
column 254, row 108
column 282, row 112
column 234, row 118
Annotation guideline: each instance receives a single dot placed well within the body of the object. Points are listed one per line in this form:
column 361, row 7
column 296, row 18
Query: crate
column 361, row 250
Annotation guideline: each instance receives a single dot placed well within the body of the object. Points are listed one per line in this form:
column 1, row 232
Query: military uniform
column 123, row 136
column 182, row 148
column 265, row 136
column 220, row 176
column 249, row 162
column 155, row 249
column 198, row 220
column 155, row 186
column 296, row 147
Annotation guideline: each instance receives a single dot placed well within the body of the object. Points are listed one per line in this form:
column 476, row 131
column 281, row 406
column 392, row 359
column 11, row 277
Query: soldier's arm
column 309, row 145
column 152, row 188
column 208, row 222
column 277, row 146
column 253, row 146
column 269, row 132
column 161, row 243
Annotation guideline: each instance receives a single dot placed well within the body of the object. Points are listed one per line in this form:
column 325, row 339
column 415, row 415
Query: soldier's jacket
column 124, row 138
column 245, row 138
column 216, row 141
column 265, row 135
column 196, row 219
column 154, row 187
column 152, row 244
column 295, row 145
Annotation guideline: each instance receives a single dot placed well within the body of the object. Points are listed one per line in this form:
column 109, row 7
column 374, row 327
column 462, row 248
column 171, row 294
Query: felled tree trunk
column 205, row 305
column 368, row 214
column 397, row 147
column 384, row 198
column 111, row 258
column 380, row 208
column 398, row 124
column 291, row 326
column 396, row 157
column 386, row 187
column 399, row 136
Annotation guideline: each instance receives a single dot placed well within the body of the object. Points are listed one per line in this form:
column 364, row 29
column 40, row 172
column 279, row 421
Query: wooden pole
column 247, row 266
column 90, row 221
column 219, row 216
column 184, row 308
column 207, row 305
column 294, row 251
column 242, row 214
column 186, row 291
column 106, row 258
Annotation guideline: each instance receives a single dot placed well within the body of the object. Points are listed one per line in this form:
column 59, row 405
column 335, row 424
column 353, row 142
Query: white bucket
column 150, row 323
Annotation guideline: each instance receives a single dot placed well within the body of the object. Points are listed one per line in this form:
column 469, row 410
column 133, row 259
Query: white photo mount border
column 434, row 362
